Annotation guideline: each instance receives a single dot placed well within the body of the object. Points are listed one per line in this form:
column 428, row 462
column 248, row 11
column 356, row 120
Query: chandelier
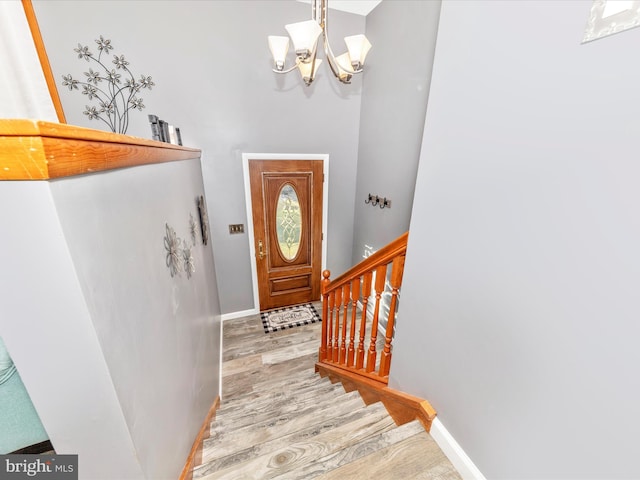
column 305, row 35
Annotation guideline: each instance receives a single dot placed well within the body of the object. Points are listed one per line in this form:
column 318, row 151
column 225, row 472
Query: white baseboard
column 243, row 313
column 221, row 360
column 454, row 452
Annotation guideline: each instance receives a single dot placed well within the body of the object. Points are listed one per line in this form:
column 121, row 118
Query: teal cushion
column 20, row 425
column 7, row 368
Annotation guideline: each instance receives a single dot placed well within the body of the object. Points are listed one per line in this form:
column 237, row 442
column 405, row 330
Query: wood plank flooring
column 279, row 419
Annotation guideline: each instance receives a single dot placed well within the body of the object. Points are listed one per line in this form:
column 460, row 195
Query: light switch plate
column 236, row 228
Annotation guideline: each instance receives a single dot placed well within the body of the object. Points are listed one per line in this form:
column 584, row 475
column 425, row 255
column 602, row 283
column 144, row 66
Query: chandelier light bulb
column 358, row 47
column 304, row 36
column 279, row 47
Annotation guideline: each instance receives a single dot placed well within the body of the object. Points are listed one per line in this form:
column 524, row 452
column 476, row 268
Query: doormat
column 289, row 317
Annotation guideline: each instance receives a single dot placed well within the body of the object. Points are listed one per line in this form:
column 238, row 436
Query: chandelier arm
column 331, row 58
column 286, row 71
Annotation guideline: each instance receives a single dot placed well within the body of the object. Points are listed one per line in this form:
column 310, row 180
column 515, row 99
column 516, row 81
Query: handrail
column 348, row 295
column 382, row 256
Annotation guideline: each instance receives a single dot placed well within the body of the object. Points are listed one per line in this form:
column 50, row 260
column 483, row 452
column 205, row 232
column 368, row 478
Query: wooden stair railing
column 351, row 350
column 341, row 327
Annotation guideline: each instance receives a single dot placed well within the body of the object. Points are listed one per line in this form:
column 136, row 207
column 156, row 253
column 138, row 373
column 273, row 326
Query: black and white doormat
column 289, row 317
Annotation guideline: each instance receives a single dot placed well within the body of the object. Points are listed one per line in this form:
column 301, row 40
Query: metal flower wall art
column 189, row 266
column 192, row 229
column 174, row 254
column 113, row 86
column 179, row 252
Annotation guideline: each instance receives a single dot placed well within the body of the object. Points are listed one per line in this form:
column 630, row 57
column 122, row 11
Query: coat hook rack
column 375, row 200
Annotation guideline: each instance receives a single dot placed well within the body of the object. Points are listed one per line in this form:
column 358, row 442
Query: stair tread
column 295, row 455
column 282, row 402
column 268, row 438
column 417, row 457
column 290, row 388
column 226, row 441
column 261, row 379
column 265, row 343
column 273, row 356
column 301, row 406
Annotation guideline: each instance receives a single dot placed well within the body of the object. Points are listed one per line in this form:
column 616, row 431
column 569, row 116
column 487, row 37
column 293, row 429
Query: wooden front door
column 286, row 198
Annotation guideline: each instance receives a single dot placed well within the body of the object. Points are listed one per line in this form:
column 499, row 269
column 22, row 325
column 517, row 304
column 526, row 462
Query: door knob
column 260, row 250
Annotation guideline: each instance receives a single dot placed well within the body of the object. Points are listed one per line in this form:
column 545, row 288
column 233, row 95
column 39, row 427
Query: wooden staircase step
column 290, row 387
column 417, row 457
column 354, row 452
column 261, row 379
column 298, row 406
column 295, row 455
column 225, row 441
column 277, row 355
column 266, row 438
column 280, row 402
column 268, row 342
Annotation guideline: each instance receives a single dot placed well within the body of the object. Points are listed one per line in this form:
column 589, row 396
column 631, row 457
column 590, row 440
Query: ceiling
column 360, row 7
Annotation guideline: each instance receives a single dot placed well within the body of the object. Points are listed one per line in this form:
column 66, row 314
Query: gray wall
column 119, row 358
column 46, row 326
column 520, row 298
column 212, row 68
column 160, row 336
column 394, row 101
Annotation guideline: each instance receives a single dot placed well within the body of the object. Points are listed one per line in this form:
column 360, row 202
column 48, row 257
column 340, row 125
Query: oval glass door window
column 288, row 222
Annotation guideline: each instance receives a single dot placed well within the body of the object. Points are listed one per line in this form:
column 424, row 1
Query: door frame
column 247, row 196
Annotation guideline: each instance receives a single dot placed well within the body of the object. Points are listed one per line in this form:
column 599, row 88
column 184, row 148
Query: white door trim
column 247, row 195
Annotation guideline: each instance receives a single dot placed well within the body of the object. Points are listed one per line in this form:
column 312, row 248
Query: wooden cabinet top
column 34, row 150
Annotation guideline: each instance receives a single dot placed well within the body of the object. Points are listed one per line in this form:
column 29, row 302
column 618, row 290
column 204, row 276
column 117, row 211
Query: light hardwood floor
column 279, row 419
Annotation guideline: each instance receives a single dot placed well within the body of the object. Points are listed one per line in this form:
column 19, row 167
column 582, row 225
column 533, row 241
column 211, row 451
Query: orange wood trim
column 195, row 455
column 33, row 150
column 373, row 376
column 401, row 406
column 381, row 257
column 44, row 58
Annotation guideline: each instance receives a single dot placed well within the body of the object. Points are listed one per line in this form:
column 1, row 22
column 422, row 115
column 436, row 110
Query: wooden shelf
column 34, row 150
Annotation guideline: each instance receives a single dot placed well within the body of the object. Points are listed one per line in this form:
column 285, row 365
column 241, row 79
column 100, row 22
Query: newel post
column 322, row 353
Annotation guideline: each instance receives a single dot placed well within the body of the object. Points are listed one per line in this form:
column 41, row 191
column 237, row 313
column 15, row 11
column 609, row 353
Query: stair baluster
column 366, row 292
column 332, row 299
column 355, row 294
column 381, row 276
column 396, row 277
column 336, row 333
column 346, row 296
